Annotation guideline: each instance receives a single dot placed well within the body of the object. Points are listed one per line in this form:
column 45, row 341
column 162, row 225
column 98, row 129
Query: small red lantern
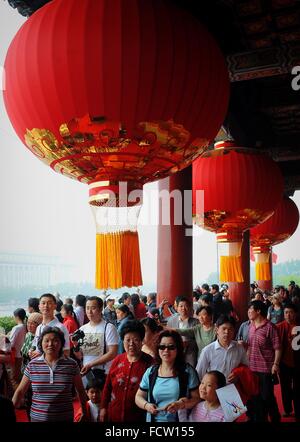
column 241, row 189
column 277, row 229
column 115, row 90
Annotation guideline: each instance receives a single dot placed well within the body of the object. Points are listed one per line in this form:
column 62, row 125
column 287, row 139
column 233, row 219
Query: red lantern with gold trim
column 277, row 229
column 115, row 90
column 241, row 188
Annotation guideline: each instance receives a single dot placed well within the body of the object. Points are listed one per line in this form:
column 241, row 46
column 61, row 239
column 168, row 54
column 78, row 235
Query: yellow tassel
column 231, row 269
column 117, row 260
column 262, row 271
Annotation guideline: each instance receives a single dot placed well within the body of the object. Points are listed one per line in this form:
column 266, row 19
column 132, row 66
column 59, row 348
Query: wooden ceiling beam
column 266, row 62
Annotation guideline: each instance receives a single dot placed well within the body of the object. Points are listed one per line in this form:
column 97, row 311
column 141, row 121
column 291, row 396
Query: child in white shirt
column 94, row 390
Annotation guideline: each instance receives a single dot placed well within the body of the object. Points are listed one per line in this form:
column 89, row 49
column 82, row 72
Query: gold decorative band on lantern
column 261, row 249
column 91, row 148
column 224, row 144
column 229, row 236
column 113, row 194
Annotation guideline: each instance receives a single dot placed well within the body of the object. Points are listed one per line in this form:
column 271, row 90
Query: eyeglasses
column 169, row 347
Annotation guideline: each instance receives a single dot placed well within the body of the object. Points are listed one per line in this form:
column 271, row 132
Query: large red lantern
column 115, row 90
column 277, row 229
column 241, row 189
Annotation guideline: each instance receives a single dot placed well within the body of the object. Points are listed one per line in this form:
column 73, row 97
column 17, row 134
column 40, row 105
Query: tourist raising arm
column 204, row 332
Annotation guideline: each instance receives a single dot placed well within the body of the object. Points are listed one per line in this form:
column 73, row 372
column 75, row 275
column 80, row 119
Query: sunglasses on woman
column 169, row 347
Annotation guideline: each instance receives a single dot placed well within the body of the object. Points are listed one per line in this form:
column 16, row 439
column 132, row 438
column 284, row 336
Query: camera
column 78, row 336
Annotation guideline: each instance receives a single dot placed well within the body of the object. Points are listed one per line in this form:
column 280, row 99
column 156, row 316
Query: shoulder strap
column 183, row 382
column 104, row 346
column 182, row 378
column 152, row 379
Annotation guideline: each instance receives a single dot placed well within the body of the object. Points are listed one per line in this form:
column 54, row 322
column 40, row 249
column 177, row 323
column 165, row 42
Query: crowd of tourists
column 133, row 360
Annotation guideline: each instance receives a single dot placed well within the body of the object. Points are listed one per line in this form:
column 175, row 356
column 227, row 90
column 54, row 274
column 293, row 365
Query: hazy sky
column 45, row 213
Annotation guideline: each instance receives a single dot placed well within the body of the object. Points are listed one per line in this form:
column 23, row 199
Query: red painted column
column 267, row 285
column 175, row 248
column 240, row 291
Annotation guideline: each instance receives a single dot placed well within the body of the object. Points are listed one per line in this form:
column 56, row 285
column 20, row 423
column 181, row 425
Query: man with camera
column 99, row 344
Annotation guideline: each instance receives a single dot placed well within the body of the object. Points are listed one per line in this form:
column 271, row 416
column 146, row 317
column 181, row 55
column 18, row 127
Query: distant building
column 20, row 270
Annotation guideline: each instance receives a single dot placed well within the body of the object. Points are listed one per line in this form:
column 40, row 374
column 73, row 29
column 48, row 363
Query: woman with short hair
column 123, row 316
column 204, row 333
column 34, row 320
column 125, row 374
column 51, row 377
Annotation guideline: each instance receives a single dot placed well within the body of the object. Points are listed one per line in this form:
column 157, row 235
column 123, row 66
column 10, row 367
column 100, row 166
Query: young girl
column 69, row 320
column 209, row 410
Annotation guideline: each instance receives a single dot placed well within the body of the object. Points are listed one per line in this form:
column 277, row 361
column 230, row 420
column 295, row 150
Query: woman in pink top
column 209, row 409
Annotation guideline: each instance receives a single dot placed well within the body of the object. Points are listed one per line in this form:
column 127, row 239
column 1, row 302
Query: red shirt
column 285, row 336
column 140, row 311
column 263, row 341
column 121, row 385
column 71, row 325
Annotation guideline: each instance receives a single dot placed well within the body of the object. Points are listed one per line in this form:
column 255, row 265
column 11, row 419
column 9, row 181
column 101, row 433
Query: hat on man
column 36, row 317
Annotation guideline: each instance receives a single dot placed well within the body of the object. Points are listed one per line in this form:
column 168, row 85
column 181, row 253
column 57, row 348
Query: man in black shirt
column 217, row 301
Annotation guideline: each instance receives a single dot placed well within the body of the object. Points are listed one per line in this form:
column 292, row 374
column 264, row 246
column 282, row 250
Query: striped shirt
column 200, row 413
column 263, row 341
column 52, row 389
